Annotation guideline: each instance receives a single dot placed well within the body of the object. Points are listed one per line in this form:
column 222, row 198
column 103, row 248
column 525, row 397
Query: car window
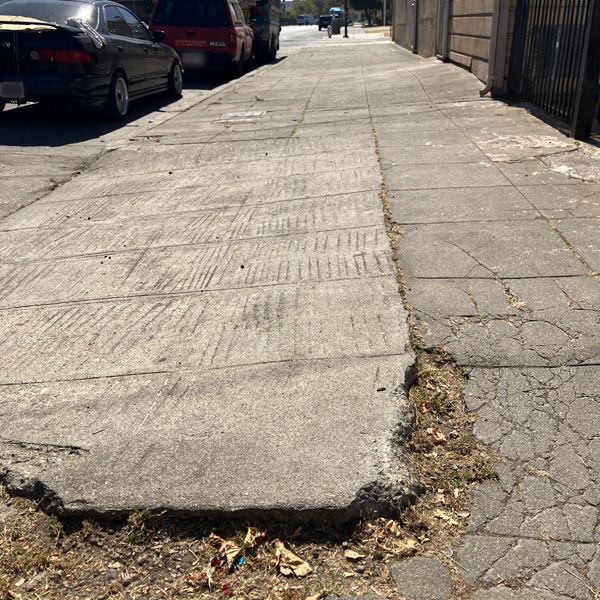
column 239, row 13
column 192, row 13
column 232, row 10
column 136, row 26
column 53, row 12
column 115, row 23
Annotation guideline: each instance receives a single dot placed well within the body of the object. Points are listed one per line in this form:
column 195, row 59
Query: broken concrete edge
column 394, row 488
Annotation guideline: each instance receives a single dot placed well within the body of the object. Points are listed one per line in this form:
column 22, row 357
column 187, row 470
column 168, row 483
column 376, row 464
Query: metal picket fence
column 551, row 46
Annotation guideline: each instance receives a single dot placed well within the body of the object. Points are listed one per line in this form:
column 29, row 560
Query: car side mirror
column 159, row 37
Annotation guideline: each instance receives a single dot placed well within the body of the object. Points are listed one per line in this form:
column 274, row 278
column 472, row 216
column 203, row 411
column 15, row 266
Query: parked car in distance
column 206, row 32
column 324, row 21
column 91, row 53
column 306, row 20
column 264, row 17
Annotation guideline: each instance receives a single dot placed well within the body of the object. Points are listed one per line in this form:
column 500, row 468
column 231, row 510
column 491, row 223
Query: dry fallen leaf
column 348, row 574
column 409, row 546
column 115, row 565
column 454, row 434
column 315, row 597
column 382, row 535
column 439, row 498
column 437, row 437
column 351, row 555
column 290, row 563
column 215, row 540
column 231, row 552
column 453, row 455
column 252, row 535
column 392, row 526
column 440, row 514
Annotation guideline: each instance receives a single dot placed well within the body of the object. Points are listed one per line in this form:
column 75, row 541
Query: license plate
column 218, row 44
column 190, row 43
column 12, row 90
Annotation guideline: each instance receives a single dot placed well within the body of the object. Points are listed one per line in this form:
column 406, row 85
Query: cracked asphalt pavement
column 207, row 320
column 499, row 249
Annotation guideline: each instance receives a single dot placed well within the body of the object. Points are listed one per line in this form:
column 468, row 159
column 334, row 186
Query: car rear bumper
column 78, row 88
column 201, row 60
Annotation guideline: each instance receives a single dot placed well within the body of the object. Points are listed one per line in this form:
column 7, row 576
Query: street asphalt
column 207, row 319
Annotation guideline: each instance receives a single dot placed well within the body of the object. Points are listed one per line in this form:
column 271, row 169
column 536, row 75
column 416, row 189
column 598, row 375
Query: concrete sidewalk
column 208, row 320
column 500, row 249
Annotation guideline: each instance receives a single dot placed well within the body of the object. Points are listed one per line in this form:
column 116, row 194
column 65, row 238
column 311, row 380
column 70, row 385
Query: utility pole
column 384, row 11
column 346, row 18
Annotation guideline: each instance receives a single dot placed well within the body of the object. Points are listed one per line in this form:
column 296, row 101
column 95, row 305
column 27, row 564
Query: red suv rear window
column 192, row 13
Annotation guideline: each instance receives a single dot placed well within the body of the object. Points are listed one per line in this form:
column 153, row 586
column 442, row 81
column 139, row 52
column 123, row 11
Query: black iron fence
column 550, row 56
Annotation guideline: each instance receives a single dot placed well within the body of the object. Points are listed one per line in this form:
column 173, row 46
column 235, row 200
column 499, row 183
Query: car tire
column 272, row 51
column 249, row 64
column 117, row 103
column 175, row 81
column 237, row 68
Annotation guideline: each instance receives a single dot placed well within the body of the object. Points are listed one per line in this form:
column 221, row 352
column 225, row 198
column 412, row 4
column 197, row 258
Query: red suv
column 205, row 32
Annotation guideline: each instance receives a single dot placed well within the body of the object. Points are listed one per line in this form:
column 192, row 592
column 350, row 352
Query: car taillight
column 232, row 41
column 72, row 57
column 65, row 57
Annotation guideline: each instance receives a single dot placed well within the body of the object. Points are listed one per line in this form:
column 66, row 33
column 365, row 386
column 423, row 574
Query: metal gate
column 550, row 45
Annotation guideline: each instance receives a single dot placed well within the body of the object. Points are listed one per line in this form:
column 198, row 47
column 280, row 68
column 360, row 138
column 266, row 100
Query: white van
column 306, row 20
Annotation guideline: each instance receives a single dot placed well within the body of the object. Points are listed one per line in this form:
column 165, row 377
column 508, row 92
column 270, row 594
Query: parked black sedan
column 93, row 53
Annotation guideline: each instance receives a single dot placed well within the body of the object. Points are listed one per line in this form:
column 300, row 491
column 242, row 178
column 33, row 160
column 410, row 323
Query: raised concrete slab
column 309, row 437
column 209, row 324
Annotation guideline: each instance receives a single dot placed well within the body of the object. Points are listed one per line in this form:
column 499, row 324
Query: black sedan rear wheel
column 175, row 81
column 117, row 104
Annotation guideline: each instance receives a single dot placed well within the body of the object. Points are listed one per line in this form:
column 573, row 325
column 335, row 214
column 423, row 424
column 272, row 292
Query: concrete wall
column 427, row 29
column 469, row 33
column 402, row 23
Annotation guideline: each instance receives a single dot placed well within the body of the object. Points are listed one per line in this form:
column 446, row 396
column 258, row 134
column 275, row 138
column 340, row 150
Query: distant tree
column 327, row 4
column 320, row 5
column 306, row 7
column 368, row 7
